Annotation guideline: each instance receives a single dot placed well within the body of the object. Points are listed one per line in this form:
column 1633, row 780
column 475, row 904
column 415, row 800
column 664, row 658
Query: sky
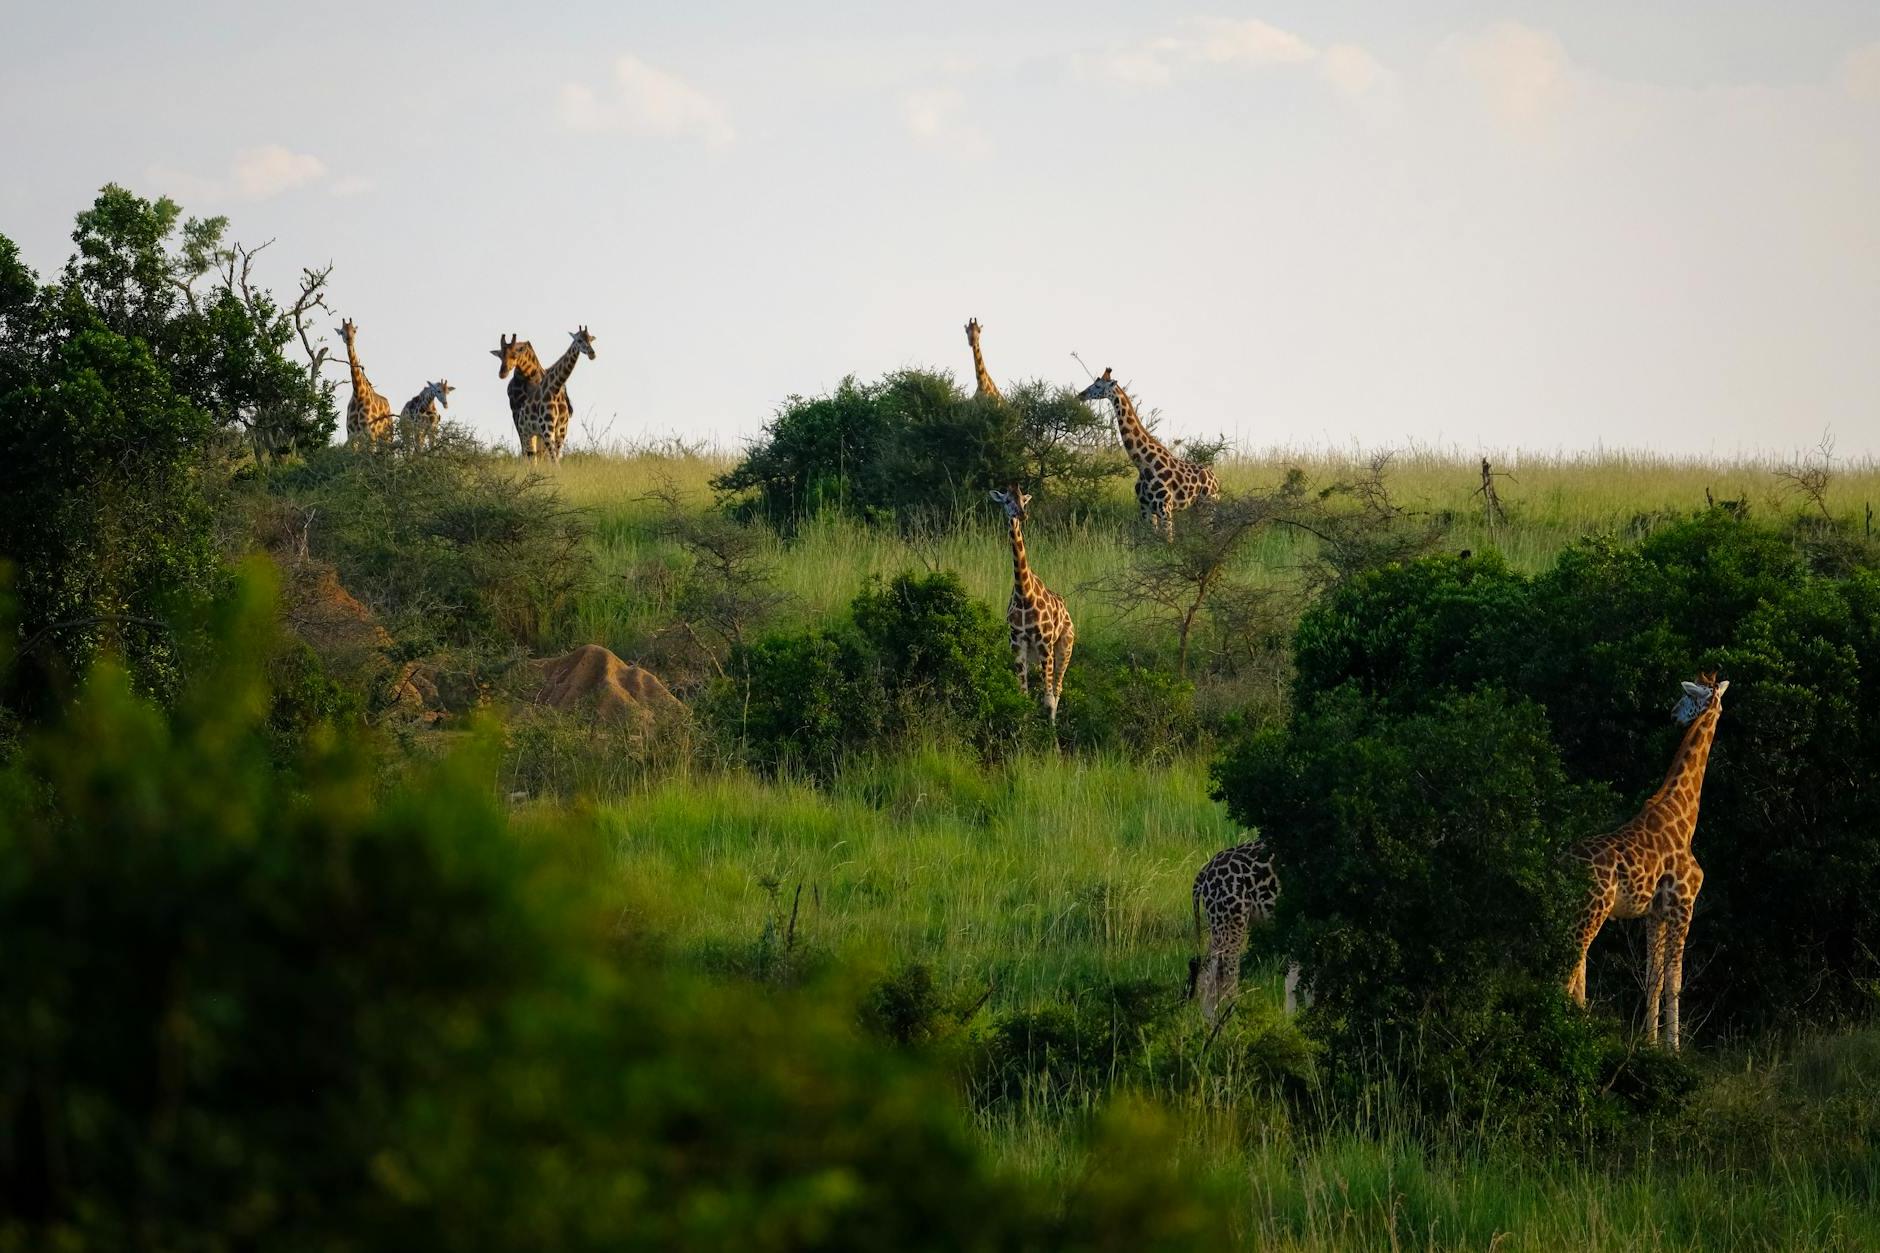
column 1565, row 226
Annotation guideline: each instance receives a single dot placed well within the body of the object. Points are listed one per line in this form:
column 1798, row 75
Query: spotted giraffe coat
column 1043, row 634
column 1646, row 869
column 368, row 414
column 1236, row 887
column 982, row 377
column 541, row 428
column 1165, row 484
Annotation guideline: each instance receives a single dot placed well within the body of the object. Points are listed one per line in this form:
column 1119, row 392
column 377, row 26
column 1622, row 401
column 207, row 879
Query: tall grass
column 1043, row 874
column 1551, row 501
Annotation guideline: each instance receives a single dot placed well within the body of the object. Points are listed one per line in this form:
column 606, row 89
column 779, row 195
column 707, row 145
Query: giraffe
column 536, row 436
column 983, row 377
column 1237, row 886
column 1042, row 631
column 418, row 420
column 1165, row 483
column 1645, row 868
column 368, row 414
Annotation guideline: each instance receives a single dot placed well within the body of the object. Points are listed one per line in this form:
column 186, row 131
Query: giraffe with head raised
column 540, row 408
column 419, row 419
column 368, row 414
column 982, row 377
column 1237, row 887
column 1645, row 869
column 1042, row 632
column 1165, row 484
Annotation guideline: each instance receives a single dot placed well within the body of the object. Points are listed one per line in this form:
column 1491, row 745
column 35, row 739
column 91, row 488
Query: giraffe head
column 972, row 331
column 1704, row 694
column 584, row 342
column 508, row 352
column 1013, row 501
column 347, row 330
column 441, row 390
column 1103, row 388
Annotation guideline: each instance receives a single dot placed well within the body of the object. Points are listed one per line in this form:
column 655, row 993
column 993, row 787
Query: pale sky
column 1544, row 226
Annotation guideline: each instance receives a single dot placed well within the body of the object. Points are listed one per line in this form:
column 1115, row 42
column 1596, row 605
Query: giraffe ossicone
column 1645, row 868
column 1042, row 632
column 1165, row 484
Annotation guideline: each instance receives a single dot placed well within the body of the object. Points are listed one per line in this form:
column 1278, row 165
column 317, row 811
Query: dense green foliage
column 1426, row 891
column 247, row 1007
column 1790, row 826
column 919, row 657
column 122, row 386
column 912, row 446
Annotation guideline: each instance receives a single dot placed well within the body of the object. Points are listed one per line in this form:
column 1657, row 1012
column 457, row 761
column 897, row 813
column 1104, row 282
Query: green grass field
column 1046, row 873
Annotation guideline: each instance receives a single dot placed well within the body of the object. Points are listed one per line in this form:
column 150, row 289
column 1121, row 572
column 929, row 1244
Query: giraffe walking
column 1042, row 632
column 418, row 420
column 1237, row 887
column 368, row 414
column 540, row 410
column 1645, row 869
column 983, row 384
column 1165, row 484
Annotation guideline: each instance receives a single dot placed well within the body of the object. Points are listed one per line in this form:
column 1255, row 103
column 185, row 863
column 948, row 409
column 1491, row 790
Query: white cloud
column 264, row 172
column 1250, row 41
column 1859, row 73
column 260, row 173
column 1523, row 72
column 646, row 101
column 1348, row 69
column 934, row 117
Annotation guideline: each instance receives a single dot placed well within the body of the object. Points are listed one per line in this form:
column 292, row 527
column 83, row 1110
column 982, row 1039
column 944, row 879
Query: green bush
column 912, row 447
column 447, row 546
column 1427, row 894
column 247, row 1008
column 1112, row 703
column 1790, row 829
column 919, row 657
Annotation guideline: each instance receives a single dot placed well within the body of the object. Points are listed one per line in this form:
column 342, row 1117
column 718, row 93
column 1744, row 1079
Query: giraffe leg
column 1065, row 643
column 1050, row 688
column 1656, row 926
column 1598, row 909
column 1678, row 927
column 1292, row 988
column 1018, row 663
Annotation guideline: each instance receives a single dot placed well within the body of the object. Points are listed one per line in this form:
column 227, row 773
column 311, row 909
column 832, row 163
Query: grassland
column 1043, row 874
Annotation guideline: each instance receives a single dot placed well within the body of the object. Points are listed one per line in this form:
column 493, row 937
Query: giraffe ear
column 1696, row 691
column 997, row 497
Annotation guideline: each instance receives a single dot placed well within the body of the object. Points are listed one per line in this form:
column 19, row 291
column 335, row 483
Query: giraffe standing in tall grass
column 1042, row 632
column 1165, row 484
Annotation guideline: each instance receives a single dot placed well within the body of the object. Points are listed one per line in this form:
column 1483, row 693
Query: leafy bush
column 911, row 446
column 1112, row 703
column 919, row 656
column 1790, row 829
column 1427, row 895
column 243, row 1008
column 447, row 546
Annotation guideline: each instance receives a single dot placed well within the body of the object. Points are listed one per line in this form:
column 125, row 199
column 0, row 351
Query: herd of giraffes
column 1644, row 869
column 538, row 398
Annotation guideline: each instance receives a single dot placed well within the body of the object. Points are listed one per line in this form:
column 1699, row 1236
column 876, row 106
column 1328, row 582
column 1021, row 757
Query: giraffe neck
column 1021, row 569
column 528, row 365
column 1143, row 448
column 361, row 385
column 559, row 372
column 982, row 376
column 1678, row 795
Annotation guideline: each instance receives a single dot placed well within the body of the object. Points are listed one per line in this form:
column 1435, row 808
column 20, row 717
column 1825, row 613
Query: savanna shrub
column 1790, row 828
column 912, row 447
column 1113, row 703
column 449, row 547
column 1426, row 891
column 249, row 1008
column 918, row 657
